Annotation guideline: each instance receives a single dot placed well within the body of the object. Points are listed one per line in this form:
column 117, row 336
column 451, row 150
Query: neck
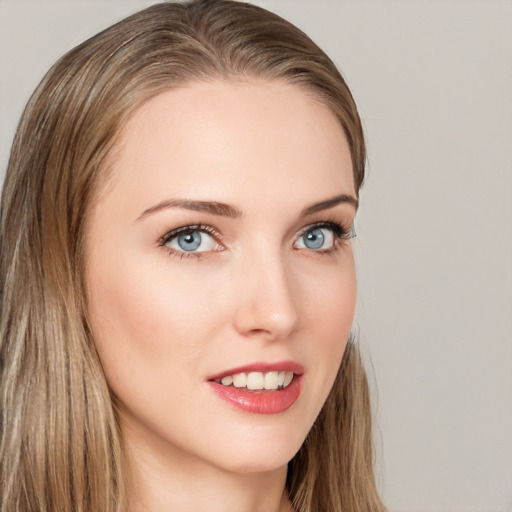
column 167, row 480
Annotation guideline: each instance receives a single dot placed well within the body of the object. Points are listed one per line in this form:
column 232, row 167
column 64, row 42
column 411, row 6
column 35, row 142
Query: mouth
column 258, row 381
column 260, row 388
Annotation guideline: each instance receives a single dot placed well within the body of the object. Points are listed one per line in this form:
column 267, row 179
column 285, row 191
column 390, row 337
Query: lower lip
column 260, row 402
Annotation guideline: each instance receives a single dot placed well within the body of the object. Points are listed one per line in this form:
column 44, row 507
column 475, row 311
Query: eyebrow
column 330, row 203
column 213, row 207
column 227, row 210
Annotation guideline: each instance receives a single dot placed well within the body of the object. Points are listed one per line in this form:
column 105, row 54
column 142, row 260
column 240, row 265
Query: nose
column 266, row 304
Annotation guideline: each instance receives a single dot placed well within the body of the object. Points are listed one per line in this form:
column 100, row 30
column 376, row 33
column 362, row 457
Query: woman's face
column 218, row 260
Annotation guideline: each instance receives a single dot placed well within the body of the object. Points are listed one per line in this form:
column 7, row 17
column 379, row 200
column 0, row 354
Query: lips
column 260, row 388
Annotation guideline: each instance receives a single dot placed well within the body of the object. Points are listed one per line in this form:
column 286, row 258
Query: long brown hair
column 60, row 446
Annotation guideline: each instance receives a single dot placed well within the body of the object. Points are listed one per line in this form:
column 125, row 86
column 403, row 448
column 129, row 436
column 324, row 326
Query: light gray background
column 433, row 80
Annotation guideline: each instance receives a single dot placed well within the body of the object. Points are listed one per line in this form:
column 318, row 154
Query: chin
column 267, row 462
column 260, row 450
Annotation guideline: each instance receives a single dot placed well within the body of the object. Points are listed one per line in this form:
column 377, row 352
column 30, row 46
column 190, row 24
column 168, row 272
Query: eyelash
column 341, row 234
column 210, row 230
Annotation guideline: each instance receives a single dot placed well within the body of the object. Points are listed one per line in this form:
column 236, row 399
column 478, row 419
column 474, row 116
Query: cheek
column 331, row 309
column 144, row 318
column 330, row 295
column 157, row 321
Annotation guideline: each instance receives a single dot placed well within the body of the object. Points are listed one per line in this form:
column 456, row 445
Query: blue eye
column 190, row 239
column 322, row 237
column 315, row 239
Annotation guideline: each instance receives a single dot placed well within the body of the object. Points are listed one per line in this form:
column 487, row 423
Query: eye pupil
column 314, row 239
column 190, row 241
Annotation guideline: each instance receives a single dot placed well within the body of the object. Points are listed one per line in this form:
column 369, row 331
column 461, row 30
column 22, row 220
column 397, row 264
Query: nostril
column 266, row 305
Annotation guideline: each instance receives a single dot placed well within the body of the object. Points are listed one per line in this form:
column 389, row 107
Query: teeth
column 255, row 380
column 240, row 380
column 271, row 380
column 227, row 381
column 258, row 380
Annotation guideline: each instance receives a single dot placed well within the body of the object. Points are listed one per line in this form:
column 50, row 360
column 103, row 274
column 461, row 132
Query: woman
column 177, row 278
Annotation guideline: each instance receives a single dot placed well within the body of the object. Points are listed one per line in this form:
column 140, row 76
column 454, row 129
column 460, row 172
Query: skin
column 164, row 321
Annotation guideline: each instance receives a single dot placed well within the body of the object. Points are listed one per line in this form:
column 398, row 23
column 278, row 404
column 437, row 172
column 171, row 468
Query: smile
column 260, row 388
column 255, row 381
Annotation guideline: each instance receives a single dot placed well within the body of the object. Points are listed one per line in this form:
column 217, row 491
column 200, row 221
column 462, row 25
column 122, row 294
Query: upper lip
column 283, row 366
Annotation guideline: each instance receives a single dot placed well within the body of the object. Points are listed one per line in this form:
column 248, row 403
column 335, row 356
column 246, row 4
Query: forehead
column 223, row 138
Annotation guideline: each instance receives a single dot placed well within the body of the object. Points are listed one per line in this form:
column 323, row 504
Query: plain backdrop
column 433, row 80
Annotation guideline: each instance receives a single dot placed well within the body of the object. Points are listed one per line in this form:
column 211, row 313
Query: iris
column 314, row 239
column 190, row 241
